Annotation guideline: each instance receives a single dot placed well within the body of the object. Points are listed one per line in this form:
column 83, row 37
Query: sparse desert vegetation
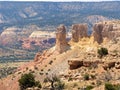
column 82, row 54
column 28, row 81
column 9, row 68
column 102, row 52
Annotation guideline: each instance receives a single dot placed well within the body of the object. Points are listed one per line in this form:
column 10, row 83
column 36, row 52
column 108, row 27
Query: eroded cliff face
column 79, row 31
column 8, row 37
column 109, row 30
column 61, row 42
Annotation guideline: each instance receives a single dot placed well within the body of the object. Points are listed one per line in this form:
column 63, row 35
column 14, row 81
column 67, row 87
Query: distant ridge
column 13, row 13
column 62, row 0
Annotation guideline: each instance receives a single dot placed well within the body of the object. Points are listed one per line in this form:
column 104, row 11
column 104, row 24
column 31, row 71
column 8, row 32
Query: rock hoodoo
column 101, row 30
column 61, row 43
column 108, row 31
column 79, row 31
column 97, row 33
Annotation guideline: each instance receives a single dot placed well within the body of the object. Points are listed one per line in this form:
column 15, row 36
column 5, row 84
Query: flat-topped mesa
column 79, row 31
column 61, row 42
column 101, row 31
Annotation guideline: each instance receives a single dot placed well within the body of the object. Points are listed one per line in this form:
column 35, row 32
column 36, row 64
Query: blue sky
column 63, row 0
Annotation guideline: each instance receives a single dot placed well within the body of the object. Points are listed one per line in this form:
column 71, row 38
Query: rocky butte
column 61, row 42
column 73, row 60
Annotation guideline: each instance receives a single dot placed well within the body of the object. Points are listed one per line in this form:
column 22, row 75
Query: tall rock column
column 102, row 30
column 61, row 43
column 108, row 31
column 97, row 33
column 79, row 31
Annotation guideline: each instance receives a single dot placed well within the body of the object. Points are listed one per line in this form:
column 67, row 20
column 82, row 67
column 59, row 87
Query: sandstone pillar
column 101, row 31
column 97, row 33
column 79, row 31
column 61, row 43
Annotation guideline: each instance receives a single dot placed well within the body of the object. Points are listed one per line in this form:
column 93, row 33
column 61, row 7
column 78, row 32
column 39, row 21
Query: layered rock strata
column 79, row 31
column 76, row 63
column 61, row 42
column 103, row 30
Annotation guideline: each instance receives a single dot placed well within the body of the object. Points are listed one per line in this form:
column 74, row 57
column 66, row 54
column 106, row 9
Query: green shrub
column 46, row 73
column 117, row 87
column 93, row 76
column 41, row 73
column 60, row 85
column 32, row 71
column 49, row 69
column 86, row 77
column 26, row 68
column 50, row 62
column 75, row 84
column 42, row 70
column 109, row 86
column 28, row 80
column 36, row 68
column 89, row 87
column 46, row 80
column 38, row 84
column 55, row 83
column 102, row 52
column 70, row 79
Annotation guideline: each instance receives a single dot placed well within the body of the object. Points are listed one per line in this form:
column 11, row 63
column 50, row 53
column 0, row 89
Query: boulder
column 74, row 64
column 117, row 65
column 108, row 65
column 61, row 42
column 79, row 31
column 87, row 63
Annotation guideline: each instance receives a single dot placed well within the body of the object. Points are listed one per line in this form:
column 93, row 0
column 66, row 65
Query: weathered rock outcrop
column 76, row 63
column 108, row 65
column 97, row 33
column 79, row 31
column 102, row 30
column 108, row 31
column 61, row 43
column 8, row 37
column 117, row 65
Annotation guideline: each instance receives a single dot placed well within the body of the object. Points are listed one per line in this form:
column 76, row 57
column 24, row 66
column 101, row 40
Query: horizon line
column 59, row 0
